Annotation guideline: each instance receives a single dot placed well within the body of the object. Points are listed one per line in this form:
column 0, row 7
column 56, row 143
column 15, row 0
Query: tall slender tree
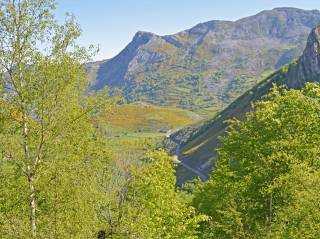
column 47, row 143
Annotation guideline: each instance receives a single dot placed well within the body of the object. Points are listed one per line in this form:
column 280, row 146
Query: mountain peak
column 308, row 65
column 210, row 64
column 143, row 35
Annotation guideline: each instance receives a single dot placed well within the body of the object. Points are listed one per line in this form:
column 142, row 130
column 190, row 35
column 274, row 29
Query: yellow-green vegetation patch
column 146, row 120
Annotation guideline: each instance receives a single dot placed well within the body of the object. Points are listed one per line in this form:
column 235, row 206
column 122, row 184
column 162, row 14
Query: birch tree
column 47, row 146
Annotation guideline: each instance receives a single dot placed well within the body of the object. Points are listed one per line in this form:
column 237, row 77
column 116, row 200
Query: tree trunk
column 30, row 175
column 32, row 200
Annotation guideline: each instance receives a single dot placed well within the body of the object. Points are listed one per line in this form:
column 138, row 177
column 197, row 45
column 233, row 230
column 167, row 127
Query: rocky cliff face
column 209, row 65
column 307, row 68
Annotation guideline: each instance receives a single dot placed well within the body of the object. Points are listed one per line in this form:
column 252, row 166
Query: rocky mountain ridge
column 205, row 68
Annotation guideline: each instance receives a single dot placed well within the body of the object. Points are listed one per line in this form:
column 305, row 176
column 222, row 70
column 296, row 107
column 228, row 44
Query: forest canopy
column 266, row 179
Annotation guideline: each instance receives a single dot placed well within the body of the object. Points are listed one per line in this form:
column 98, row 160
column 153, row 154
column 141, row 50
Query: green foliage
column 266, row 179
column 57, row 179
column 145, row 203
column 49, row 153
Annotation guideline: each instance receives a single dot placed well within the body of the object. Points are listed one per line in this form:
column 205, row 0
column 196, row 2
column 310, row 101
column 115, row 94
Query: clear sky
column 111, row 24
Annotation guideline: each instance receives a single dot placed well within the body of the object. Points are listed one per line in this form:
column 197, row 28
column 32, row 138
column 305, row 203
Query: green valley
column 211, row 132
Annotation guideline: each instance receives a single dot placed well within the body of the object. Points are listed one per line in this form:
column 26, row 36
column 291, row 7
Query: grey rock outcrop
column 307, row 68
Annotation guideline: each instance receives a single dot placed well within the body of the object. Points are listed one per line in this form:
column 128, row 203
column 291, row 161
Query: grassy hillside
column 142, row 120
column 133, row 129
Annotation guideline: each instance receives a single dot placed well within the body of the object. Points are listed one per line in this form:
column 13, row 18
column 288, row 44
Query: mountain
column 205, row 68
column 198, row 143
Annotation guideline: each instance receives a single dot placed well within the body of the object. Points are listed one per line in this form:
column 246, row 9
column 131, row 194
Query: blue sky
column 111, row 24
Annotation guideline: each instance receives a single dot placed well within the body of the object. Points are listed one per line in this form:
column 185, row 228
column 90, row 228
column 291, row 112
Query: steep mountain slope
column 198, row 143
column 208, row 66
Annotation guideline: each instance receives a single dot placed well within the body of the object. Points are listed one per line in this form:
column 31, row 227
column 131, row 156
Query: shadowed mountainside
column 199, row 142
